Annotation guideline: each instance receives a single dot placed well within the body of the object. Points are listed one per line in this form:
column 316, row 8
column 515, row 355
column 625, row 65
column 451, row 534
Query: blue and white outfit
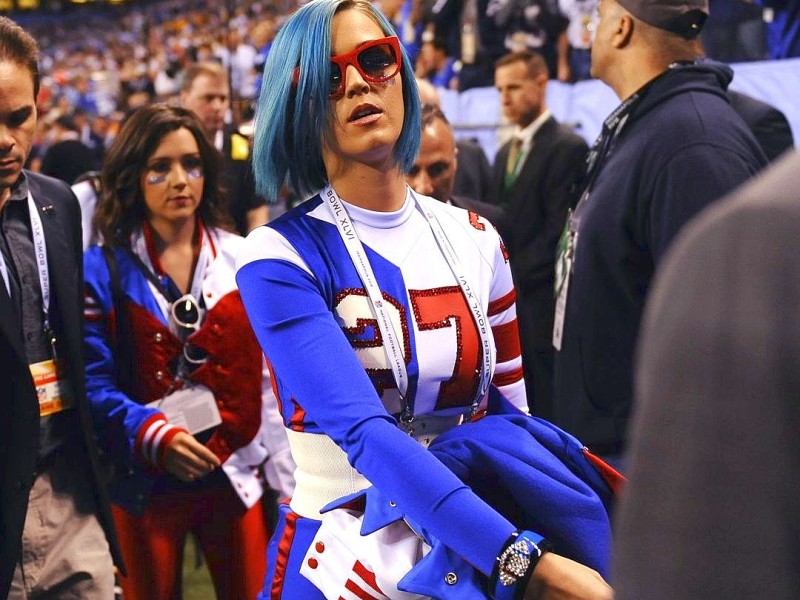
column 312, row 317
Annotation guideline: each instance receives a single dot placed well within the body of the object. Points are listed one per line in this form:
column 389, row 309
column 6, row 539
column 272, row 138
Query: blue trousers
column 289, row 544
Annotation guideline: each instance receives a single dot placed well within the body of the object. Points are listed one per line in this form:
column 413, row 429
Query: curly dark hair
column 121, row 208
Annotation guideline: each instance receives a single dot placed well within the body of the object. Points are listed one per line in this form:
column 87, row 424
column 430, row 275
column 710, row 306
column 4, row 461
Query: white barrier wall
column 476, row 113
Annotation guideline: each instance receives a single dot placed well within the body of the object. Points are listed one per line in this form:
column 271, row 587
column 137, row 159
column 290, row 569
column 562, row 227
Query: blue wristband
column 515, row 564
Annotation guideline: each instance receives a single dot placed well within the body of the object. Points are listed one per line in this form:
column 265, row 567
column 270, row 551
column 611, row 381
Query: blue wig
column 292, row 121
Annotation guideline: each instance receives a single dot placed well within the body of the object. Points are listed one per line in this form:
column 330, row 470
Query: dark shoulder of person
column 769, row 125
column 68, row 159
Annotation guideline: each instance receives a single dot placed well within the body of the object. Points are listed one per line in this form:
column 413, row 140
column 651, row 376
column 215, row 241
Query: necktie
column 512, row 165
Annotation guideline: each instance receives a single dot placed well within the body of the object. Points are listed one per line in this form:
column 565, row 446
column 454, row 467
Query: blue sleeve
column 311, row 355
column 117, row 418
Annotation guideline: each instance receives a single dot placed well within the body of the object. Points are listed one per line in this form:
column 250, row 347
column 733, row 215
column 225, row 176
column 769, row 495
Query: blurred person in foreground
column 56, row 531
column 389, row 325
column 714, row 449
column 673, row 146
column 206, row 92
column 180, row 393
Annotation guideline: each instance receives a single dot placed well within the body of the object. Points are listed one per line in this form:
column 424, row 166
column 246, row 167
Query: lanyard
column 4, row 273
column 473, row 301
column 148, row 263
column 40, row 248
column 156, row 276
column 40, row 253
column 613, row 126
column 392, row 343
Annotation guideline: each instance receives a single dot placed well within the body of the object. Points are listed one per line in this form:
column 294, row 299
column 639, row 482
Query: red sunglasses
column 377, row 61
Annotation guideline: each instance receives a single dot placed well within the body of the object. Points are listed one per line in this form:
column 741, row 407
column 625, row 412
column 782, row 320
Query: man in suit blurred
column 206, row 92
column 536, row 178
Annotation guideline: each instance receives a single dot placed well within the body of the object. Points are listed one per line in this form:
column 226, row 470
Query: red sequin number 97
column 445, row 307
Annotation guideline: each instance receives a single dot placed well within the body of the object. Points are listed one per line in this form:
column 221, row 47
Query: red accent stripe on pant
column 282, row 560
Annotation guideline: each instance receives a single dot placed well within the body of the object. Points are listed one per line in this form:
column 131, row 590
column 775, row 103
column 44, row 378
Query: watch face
column 514, row 562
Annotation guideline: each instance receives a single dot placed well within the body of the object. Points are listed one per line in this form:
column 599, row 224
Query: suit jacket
column 19, row 427
column 536, row 207
column 767, row 123
column 473, row 173
column 237, row 178
column 490, row 211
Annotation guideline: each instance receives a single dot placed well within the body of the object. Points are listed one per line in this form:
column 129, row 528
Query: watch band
column 515, row 564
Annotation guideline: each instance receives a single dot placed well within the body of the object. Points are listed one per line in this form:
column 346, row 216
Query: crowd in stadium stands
column 100, row 64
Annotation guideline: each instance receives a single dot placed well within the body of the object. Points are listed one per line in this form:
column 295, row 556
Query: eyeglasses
column 186, row 315
column 376, row 61
column 159, row 170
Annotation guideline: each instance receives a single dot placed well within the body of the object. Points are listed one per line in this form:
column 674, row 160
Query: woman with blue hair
column 388, row 319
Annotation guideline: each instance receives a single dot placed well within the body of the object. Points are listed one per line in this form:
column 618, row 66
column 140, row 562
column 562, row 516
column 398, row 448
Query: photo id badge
column 53, row 391
column 564, row 259
column 193, row 408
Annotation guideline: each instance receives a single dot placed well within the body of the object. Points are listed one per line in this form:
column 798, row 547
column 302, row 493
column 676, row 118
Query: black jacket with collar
column 536, row 207
column 19, row 427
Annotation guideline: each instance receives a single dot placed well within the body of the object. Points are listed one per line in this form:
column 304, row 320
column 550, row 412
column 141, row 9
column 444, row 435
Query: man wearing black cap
column 671, row 148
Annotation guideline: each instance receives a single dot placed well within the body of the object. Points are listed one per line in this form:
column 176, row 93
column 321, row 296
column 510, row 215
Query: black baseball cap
column 683, row 17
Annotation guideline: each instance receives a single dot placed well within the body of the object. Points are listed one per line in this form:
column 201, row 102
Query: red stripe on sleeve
column 296, row 421
column 502, row 303
column 506, row 338
column 143, row 429
column 501, row 379
column 368, row 576
column 353, row 587
column 273, row 381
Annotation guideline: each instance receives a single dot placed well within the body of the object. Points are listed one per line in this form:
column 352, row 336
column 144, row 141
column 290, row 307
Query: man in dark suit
column 206, row 92
column 474, row 173
column 769, row 125
column 434, row 170
column 536, row 176
column 56, row 530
